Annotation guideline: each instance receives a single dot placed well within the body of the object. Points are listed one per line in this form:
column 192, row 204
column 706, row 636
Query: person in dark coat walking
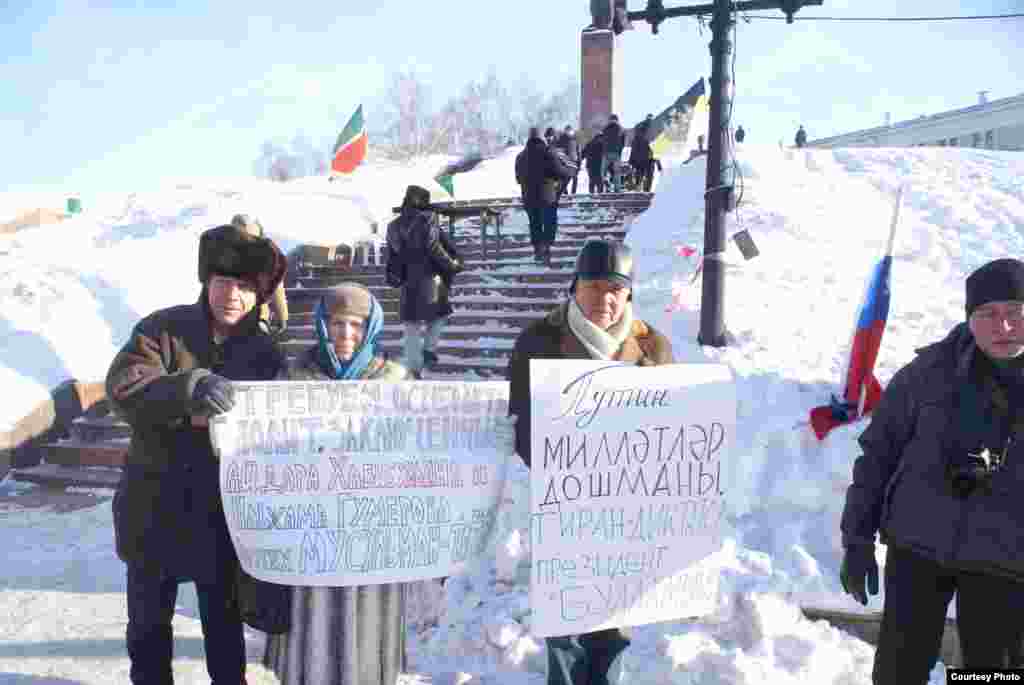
column 171, row 376
column 595, row 323
column 418, row 262
column 740, row 134
column 640, row 155
column 614, row 142
column 941, row 477
column 568, row 144
column 593, row 155
column 357, row 630
column 540, row 172
column 801, row 136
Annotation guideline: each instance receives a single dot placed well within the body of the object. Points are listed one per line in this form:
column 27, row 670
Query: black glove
column 212, row 395
column 859, row 565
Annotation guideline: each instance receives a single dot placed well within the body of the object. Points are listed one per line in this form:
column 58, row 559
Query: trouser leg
column 223, row 637
column 603, row 649
column 413, row 357
column 434, row 331
column 567, row 662
column 989, row 621
column 917, row 592
column 150, row 640
column 536, row 218
column 550, row 224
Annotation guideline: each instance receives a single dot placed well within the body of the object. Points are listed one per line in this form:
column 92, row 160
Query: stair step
column 484, row 348
column 57, row 476
column 514, row 319
column 111, row 452
column 387, row 292
column 90, row 430
column 462, row 304
column 473, row 276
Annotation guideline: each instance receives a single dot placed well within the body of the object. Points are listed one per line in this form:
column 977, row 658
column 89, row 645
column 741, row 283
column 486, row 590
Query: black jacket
column 614, row 140
column 900, row 482
column 540, row 172
column 418, row 260
column 640, row 148
column 568, row 144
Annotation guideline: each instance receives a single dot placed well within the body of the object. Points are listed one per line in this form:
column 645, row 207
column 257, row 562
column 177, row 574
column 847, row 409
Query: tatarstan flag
column 350, row 150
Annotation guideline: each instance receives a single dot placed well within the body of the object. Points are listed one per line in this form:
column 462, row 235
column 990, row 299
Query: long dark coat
column 640, row 149
column 167, row 509
column 540, row 173
column 352, row 635
column 593, row 154
column 551, row 338
column 418, row 259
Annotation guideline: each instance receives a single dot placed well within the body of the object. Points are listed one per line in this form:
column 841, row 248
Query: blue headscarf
column 327, row 358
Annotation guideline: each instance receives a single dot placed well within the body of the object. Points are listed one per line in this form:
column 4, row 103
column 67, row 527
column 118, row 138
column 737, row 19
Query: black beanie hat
column 997, row 281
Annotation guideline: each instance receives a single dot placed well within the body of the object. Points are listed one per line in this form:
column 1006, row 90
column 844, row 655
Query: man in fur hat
column 274, row 313
column 595, row 323
column 169, row 378
column 941, row 479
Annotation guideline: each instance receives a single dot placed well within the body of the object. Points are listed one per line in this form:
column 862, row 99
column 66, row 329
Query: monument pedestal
column 601, row 94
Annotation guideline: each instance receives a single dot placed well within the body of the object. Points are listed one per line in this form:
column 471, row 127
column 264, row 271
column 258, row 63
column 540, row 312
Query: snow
column 70, row 294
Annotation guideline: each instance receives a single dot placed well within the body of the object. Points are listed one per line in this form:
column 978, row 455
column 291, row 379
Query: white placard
column 360, row 482
column 627, row 497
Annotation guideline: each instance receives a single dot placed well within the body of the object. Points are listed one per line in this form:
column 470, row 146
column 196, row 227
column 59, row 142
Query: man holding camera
column 941, row 478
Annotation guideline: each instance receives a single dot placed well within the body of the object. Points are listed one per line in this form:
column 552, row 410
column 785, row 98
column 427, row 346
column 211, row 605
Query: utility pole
column 719, row 183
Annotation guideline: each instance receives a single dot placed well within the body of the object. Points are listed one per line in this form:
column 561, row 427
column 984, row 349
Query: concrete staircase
column 501, row 291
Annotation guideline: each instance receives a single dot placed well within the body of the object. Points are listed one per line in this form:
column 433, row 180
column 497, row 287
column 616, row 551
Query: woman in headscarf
column 351, row 635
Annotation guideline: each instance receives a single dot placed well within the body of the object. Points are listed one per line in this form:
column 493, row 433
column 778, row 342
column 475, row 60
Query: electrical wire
column 914, row 19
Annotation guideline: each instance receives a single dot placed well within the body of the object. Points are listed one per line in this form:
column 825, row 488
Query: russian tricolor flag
column 861, row 390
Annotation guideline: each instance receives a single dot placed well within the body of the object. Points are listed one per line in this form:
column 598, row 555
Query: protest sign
column 355, row 482
column 627, row 494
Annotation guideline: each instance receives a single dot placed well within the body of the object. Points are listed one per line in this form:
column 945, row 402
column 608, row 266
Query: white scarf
column 600, row 343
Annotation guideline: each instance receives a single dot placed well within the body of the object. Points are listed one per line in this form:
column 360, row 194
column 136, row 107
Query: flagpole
column 888, row 253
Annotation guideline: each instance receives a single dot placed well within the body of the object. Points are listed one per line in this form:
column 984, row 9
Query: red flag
column 861, row 390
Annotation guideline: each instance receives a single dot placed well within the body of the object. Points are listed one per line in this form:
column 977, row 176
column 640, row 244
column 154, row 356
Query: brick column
column 600, row 76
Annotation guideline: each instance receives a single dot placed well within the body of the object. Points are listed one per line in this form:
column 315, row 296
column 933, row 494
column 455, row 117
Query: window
column 975, row 140
column 990, row 139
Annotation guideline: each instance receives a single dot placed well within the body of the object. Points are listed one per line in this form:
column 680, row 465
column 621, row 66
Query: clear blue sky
column 112, row 95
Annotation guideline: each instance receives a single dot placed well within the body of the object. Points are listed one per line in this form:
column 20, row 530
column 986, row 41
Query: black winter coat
column 540, row 172
column 593, row 153
column 167, row 508
column 640, row 149
column 614, row 140
column 418, row 259
column 900, row 482
column 568, row 144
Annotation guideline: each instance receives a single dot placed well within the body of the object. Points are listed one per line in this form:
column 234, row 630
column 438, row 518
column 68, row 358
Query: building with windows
column 995, row 125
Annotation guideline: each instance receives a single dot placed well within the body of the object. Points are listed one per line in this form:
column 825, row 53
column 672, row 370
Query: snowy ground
column 70, row 294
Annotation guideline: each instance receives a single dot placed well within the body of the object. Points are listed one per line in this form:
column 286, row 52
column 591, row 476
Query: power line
column 917, row 19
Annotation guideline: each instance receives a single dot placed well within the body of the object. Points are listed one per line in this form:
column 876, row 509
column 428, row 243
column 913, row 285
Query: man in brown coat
column 168, row 379
column 595, row 323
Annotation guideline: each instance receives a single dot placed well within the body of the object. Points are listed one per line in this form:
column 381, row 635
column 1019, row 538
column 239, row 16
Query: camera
column 974, row 473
